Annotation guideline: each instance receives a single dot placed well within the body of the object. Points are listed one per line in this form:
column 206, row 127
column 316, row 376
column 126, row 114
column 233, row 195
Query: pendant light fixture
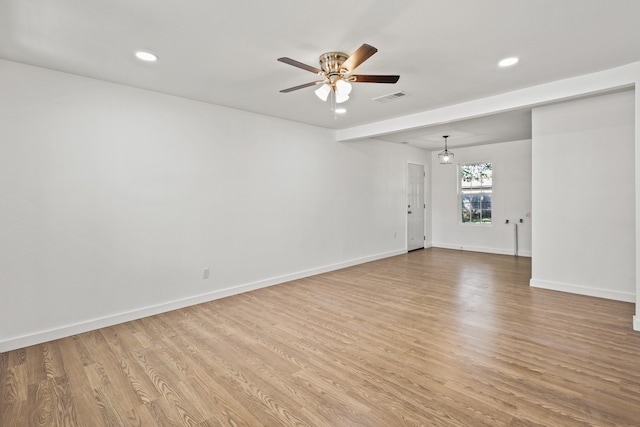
column 446, row 156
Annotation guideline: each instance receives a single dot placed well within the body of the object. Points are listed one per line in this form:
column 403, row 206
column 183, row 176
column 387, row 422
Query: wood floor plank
column 394, row 342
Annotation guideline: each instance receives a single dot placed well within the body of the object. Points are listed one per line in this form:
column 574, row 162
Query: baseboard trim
column 481, row 249
column 583, row 290
column 103, row 322
column 636, row 323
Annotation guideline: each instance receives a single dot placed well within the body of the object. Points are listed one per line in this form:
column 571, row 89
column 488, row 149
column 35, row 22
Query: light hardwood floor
column 401, row 341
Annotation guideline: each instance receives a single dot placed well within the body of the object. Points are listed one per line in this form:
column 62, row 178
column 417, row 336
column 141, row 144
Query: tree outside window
column 476, row 182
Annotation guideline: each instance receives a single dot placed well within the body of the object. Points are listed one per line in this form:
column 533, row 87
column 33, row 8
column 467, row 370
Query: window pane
column 465, row 209
column 475, row 208
column 478, row 175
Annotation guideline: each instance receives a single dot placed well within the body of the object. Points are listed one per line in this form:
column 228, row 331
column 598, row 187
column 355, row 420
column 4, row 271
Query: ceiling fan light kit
column 335, row 69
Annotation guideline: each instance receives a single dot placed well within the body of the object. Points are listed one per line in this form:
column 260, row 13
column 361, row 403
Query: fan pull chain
column 333, row 104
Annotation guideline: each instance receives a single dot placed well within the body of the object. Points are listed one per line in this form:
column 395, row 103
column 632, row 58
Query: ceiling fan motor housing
column 331, row 63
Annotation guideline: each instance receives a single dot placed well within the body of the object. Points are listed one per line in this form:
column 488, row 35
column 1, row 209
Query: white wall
column 511, row 199
column 115, row 199
column 584, row 197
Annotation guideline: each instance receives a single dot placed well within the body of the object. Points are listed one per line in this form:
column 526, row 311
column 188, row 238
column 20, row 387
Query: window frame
column 480, row 191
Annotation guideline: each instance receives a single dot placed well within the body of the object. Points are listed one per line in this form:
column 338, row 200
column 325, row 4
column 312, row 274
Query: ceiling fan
column 335, row 70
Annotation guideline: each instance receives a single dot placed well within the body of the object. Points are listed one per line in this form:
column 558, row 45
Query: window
column 475, row 193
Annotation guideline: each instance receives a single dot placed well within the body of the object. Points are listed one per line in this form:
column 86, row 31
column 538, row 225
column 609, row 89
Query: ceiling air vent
column 391, row 97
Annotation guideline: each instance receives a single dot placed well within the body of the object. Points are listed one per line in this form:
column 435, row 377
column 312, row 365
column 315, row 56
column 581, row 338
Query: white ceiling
column 224, row 52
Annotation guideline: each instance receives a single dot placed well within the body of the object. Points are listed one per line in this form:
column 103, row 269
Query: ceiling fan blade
column 291, row 89
column 362, row 78
column 300, row 65
column 363, row 53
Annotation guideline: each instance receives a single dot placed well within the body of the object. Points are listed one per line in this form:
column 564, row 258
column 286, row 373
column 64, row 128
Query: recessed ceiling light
column 146, row 56
column 507, row 62
column 341, row 110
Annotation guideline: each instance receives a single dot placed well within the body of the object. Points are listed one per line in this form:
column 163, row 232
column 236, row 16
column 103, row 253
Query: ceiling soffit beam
column 618, row 78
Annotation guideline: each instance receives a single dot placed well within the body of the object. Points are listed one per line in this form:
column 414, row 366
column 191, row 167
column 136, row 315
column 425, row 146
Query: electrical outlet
column 205, row 273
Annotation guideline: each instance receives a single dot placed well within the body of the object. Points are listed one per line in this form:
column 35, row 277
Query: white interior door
column 415, row 209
